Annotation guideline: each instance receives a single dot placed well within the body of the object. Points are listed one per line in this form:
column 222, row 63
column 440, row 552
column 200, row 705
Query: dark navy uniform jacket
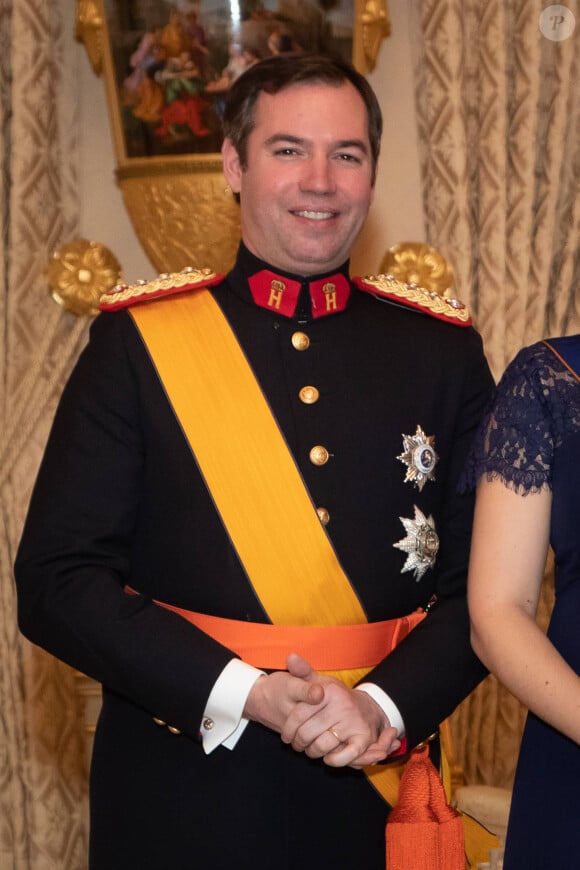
column 119, row 500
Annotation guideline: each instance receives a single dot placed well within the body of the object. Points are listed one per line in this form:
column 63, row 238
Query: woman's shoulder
column 567, row 350
column 540, row 366
column 535, row 406
column 544, row 351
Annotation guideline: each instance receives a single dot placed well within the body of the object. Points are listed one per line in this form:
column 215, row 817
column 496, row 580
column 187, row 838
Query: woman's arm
column 508, row 555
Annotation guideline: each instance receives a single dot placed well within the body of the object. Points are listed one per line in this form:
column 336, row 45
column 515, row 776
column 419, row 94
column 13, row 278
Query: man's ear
column 232, row 166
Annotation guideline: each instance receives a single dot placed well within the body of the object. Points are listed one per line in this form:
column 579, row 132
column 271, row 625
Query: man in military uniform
column 249, row 480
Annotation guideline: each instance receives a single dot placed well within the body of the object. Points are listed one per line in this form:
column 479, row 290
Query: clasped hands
column 320, row 716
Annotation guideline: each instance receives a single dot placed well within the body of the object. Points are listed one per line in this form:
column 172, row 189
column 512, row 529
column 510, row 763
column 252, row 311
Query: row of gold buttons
column 319, row 455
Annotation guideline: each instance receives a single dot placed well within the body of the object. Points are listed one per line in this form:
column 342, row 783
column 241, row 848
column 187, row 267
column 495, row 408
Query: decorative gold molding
column 421, row 264
column 89, row 31
column 374, row 26
column 79, row 273
column 183, row 219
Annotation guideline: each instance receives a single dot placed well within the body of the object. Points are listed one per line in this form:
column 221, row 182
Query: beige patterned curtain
column 499, row 126
column 42, row 767
column 498, row 113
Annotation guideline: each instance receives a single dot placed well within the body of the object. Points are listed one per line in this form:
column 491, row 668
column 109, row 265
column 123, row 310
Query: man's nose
column 318, row 175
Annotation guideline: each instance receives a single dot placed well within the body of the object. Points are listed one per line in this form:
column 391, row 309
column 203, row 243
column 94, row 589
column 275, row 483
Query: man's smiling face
column 308, row 183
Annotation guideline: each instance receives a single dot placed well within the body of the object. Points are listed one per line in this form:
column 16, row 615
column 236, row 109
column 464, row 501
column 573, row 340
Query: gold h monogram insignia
column 276, row 290
column 329, row 290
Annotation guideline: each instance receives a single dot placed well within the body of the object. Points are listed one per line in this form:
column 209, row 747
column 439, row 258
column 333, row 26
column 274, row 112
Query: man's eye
column 285, row 152
column 349, row 158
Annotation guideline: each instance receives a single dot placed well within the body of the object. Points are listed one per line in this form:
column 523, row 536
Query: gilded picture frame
column 167, row 65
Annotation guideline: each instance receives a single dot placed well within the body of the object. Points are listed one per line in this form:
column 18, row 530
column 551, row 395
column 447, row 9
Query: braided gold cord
column 427, row 299
column 165, row 281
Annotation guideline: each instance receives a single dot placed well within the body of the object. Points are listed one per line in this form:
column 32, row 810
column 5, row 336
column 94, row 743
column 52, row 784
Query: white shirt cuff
column 388, row 706
column 222, row 723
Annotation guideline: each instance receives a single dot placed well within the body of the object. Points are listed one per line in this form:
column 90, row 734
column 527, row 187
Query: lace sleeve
column 515, row 442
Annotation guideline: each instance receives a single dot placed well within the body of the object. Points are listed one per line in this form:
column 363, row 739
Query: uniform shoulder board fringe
column 166, row 284
column 428, row 301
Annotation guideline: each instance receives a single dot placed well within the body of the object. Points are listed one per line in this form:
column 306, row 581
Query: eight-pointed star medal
column 420, row 458
column 421, row 543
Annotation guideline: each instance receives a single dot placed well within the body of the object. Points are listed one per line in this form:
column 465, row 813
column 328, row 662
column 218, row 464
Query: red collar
column 280, row 294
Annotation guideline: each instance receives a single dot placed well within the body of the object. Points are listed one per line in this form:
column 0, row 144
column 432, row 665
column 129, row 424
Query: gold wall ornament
column 79, row 272
column 421, row 264
column 167, row 141
column 182, row 217
column 375, row 25
column 89, row 31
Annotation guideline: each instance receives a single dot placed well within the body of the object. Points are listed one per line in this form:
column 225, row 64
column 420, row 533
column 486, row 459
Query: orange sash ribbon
column 327, row 648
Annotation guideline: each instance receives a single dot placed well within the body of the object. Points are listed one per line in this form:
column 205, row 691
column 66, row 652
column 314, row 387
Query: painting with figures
column 174, row 61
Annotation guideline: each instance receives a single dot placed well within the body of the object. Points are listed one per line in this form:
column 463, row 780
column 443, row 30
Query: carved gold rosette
column 79, row 273
column 421, row 264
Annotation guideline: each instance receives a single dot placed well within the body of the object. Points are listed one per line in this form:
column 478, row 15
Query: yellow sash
column 245, row 462
column 251, row 474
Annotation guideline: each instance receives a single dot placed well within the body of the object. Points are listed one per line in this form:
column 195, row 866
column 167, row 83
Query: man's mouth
column 315, row 215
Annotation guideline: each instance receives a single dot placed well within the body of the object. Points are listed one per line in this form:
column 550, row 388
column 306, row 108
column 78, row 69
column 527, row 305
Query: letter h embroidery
column 329, row 290
column 276, row 290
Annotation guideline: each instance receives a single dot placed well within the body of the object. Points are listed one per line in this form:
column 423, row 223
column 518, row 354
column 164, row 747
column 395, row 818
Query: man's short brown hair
column 277, row 73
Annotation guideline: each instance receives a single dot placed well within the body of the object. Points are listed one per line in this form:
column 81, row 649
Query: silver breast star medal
column 421, row 543
column 420, row 458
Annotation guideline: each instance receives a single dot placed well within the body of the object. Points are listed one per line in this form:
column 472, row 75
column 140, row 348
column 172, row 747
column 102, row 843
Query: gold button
column 319, row 455
column 208, row 724
column 323, row 516
column 173, row 729
column 159, row 721
column 309, row 395
column 300, row 341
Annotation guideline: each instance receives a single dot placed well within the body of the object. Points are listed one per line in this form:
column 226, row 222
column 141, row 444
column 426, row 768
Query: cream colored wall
column 396, row 214
column 103, row 217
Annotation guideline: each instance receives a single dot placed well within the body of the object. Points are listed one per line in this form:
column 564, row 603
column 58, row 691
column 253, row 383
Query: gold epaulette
column 444, row 308
column 166, row 284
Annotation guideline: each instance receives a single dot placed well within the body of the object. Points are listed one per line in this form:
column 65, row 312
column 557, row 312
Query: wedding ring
column 333, row 732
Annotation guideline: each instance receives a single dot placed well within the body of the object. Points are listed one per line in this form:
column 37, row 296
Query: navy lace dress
column 531, row 439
